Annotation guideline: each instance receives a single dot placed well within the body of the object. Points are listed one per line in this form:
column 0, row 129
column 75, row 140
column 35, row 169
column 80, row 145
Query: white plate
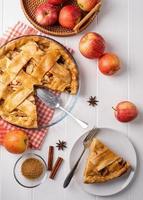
column 119, row 143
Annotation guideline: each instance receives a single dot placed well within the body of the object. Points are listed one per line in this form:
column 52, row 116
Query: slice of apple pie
column 103, row 164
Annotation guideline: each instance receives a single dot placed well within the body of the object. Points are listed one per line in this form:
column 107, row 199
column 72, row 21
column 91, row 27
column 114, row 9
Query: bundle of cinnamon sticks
column 95, row 11
column 53, row 168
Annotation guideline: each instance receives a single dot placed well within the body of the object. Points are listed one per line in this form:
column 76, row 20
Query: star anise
column 92, row 101
column 61, row 145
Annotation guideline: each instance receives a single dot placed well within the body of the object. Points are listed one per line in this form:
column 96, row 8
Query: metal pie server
column 53, row 101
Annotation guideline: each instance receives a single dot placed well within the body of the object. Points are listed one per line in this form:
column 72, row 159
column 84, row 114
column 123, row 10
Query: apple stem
column 114, row 108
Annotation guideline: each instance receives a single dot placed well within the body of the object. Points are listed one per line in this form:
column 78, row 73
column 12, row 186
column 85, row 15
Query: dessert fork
column 86, row 142
column 52, row 101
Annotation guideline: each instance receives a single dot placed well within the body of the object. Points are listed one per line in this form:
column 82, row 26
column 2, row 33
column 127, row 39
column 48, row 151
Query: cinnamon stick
column 56, row 168
column 50, row 157
column 95, row 10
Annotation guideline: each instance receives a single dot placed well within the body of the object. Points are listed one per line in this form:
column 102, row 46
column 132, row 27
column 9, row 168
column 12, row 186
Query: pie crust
column 103, row 164
column 27, row 62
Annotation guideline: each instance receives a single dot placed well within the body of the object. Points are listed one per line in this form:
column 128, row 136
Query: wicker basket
column 29, row 6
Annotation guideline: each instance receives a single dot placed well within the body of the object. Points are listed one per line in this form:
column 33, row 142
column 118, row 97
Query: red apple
column 16, row 141
column 56, row 2
column 70, row 15
column 46, row 14
column 87, row 5
column 126, row 111
column 109, row 63
column 92, row 45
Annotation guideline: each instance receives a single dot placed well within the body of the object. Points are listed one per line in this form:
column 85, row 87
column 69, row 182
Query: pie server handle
column 80, row 122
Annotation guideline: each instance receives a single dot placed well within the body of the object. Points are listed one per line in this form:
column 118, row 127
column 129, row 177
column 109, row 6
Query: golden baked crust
column 25, row 63
column 103, row 164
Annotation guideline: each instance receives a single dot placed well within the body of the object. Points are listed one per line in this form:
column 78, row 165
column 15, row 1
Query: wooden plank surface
column 120, row 23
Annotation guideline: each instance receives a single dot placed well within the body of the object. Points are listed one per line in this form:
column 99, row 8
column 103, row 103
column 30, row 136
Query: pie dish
column 103, row 164
column 28, row 62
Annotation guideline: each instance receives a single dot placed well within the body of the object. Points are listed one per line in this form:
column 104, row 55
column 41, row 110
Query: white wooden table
column 120, row 22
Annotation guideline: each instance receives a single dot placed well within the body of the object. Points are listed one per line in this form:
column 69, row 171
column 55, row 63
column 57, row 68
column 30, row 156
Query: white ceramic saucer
column 119, row 143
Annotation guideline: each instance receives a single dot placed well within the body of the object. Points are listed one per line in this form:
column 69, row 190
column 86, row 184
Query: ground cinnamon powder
column 32, row 168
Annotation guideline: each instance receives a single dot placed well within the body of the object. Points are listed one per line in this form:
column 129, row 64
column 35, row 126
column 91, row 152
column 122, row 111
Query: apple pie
column 27, row 62
column 103, row 164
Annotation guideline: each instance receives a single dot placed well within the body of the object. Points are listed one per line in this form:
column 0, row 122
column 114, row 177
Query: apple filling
column 48, row 77
column 1, row 72
column 61, row 60
column 18, row 113
column 30, row 66
column 11, row 54
column 31, row 99
column 44, row 46
column 15, row 84
column 1, row 101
